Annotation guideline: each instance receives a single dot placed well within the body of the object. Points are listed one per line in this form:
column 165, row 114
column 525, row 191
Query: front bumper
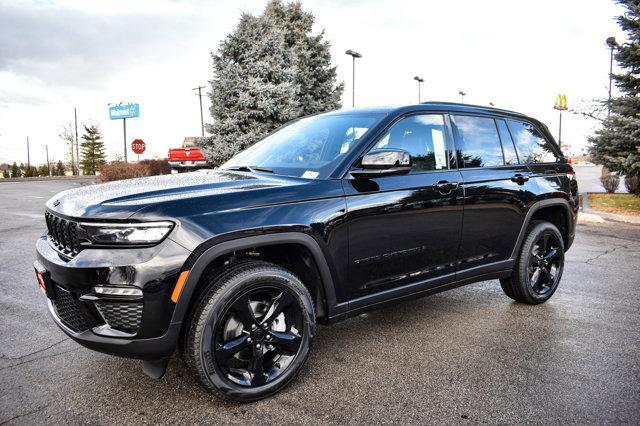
column 138, row 326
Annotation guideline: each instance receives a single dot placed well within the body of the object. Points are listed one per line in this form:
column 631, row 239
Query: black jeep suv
column 328, row 217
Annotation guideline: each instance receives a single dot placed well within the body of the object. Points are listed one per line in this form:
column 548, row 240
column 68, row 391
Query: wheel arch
column 547, row 210
column 208, row 256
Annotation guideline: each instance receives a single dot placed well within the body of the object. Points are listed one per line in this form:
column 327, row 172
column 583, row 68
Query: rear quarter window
column 531, row 145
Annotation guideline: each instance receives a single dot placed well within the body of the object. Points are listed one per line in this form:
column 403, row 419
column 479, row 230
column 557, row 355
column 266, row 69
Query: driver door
column 404, row 230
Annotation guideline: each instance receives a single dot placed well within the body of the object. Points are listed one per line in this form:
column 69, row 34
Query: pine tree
column 268, row 71
column 6, row 174
column 616, row 144
column 43, row 170
column 15, row 171
column 315, row 76
column 59, row 169
column 92, row 150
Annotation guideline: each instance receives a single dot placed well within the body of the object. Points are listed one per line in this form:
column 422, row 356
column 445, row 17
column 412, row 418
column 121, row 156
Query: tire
column 251, row 331
column 541, row 251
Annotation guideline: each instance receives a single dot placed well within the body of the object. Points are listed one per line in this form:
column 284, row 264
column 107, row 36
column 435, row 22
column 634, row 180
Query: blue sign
column 116, row 112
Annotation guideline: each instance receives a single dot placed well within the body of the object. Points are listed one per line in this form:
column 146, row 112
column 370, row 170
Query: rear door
column 497, row 189
column 405, row 229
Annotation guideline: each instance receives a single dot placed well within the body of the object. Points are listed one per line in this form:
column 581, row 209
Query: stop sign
column 138, row 146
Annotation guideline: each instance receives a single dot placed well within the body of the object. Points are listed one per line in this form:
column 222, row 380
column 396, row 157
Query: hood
column 121, row 199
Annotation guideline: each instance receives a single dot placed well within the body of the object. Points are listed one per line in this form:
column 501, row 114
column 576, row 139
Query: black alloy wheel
column 538, row 269
column 545, row 263
column 259, row 336
column 251, row 331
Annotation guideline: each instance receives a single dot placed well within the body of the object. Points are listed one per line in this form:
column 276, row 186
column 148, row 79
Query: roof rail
column 488, row 108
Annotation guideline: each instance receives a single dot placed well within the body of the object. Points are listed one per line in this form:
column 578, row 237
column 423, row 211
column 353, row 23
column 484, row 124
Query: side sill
column 431, row 289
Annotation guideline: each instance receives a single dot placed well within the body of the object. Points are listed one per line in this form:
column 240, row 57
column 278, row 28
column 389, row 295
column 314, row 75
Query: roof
column 431, row 105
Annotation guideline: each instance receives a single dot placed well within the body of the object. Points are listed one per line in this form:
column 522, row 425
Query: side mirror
column 383, row 162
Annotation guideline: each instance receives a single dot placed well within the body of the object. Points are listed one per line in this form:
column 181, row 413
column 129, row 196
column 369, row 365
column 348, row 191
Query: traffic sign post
column 122, row 112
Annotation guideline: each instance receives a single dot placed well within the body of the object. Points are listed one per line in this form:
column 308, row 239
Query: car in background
column 188, row 157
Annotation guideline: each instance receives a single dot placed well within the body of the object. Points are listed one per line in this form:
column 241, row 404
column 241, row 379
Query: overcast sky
column 57, row 55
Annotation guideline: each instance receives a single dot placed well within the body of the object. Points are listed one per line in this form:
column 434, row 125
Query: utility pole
column 28, row 155
column 72, row 154
column 46, row 147
column 353, row 55
column 199, row 89
column 75, row 116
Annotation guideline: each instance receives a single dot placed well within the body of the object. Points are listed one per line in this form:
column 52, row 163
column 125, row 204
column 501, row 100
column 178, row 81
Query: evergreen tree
column 268, row 71
column 43, row 170
column 6, row 174
column 92, row 150
column 59, row 169
column 616, row 144
column 15, row 171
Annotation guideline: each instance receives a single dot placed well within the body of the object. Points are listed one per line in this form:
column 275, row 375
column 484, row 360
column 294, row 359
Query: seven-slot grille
column 63, row 234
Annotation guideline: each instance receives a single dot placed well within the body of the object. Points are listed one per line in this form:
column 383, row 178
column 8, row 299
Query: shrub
column 610, row 182
column 633, row 184
column 157, row 167
column 119, row 170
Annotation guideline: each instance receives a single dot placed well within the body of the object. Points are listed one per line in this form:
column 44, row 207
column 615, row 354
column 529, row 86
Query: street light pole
column 612, row 43
column 420, row 80
column 462, row 95
column 353, row 55
column 28, row 155
column 199, row 89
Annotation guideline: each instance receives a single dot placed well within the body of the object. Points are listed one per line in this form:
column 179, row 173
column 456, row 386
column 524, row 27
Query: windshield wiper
column 250, row 169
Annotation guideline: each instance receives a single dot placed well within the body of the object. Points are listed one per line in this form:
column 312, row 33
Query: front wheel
column 539, row 266
column 251, row 331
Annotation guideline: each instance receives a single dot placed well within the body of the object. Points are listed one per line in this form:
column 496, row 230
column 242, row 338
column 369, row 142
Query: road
column 467, row 355
column 589, row 179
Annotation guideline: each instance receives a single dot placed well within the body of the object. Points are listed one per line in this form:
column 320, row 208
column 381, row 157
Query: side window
column 510, row 155
column 531, row 144
column 478, row 143
column 424, row 137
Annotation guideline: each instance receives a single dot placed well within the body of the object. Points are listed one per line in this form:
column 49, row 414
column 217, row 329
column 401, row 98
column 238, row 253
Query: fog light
column 117, row 291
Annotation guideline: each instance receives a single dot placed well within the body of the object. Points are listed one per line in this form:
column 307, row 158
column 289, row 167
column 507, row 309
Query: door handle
column 519, row 179
column 444, row 186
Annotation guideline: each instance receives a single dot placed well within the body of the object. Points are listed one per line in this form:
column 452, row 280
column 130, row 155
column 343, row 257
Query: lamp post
column 420, row 80
column 612, row 43
column 353, row 55
column 462, row 95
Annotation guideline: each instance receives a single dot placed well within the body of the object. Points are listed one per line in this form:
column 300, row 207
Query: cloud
column 83, row 45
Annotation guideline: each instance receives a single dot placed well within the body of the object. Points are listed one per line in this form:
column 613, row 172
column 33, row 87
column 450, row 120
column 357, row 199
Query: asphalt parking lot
column 467, row 355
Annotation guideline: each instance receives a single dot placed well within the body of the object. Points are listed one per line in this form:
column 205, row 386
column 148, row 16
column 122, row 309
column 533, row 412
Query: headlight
column 127, row 233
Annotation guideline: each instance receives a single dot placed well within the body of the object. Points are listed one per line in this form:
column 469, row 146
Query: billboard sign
column 117, row 112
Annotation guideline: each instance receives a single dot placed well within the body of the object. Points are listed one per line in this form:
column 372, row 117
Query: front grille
column 121, row 316
column 63, row 233
column 68, row 312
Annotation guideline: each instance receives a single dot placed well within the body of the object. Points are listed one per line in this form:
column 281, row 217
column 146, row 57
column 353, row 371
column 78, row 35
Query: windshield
column 309, row 148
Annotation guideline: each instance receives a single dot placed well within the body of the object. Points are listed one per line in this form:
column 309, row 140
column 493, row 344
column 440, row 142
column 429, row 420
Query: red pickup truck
column 188, row 157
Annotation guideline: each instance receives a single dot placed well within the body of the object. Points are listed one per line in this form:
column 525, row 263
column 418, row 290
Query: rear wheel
column 251, row 332
column 539, row 266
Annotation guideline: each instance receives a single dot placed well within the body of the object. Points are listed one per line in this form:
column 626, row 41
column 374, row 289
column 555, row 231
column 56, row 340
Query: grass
column 615, row 203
